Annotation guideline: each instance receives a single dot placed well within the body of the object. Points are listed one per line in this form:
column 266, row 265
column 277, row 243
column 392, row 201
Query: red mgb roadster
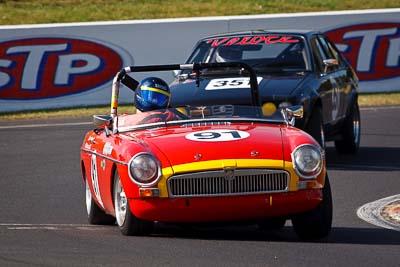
column 205, row 164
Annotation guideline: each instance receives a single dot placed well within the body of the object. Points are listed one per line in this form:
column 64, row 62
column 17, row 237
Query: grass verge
column 50, row 11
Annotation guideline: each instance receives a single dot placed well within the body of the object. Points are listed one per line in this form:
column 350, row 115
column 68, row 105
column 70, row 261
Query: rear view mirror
column 293, row 112
column 102, row 120
column 329, row 63
column 176, row 73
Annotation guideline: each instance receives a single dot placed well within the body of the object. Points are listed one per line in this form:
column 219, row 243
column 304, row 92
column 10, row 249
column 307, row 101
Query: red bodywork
column 267, row 146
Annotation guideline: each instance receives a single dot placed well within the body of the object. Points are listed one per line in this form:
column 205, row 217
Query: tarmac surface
column 43, row 216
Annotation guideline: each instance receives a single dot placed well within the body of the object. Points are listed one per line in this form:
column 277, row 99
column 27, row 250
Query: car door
column 340, row 74
column 331, row 81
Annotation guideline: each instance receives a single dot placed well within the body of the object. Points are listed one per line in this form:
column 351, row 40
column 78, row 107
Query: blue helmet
column 152, row 93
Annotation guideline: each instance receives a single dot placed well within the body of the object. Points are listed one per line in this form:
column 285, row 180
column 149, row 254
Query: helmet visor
column 154, row 97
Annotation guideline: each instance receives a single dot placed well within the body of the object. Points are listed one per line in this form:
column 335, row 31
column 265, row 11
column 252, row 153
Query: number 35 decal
column 230, row 83
column 217, row 135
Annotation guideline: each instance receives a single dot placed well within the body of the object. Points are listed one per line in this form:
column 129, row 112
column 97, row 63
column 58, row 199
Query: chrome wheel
column 88, row 198
column 351, row 132
column 356, row 126
column 120, row 202
column 315, row 126
column 128, row 223
column 95, row 214
column 322, row 142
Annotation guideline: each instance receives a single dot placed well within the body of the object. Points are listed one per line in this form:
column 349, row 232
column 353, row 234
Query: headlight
column 144, row 169
column 307, row 160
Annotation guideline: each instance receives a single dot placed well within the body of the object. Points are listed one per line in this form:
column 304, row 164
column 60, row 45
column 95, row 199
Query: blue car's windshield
column 262, row 52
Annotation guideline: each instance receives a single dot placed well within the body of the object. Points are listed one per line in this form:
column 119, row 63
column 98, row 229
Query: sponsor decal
column 37, row 68
column 373, row 49
column 217, row 135
column 252, row 40
column 95, row 179
column 230, row 83
column 107, row 149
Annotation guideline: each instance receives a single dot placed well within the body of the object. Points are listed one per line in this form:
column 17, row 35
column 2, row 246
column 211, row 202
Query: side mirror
column 179, row 76
column 176, row 73
column 329, row 63
column 102, row 120
column 291, row 113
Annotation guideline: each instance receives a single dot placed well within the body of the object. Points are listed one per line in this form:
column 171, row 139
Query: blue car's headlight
column 144, row 169
column 307, row 161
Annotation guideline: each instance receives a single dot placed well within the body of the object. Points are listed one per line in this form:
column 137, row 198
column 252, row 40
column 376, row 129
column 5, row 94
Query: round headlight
column 307, row 160
column 144, row 169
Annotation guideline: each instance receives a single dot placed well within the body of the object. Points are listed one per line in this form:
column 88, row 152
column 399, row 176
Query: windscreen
column 259, row 51
column 202, row 115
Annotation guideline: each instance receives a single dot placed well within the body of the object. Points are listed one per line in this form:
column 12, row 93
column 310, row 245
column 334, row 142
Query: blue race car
column 295, row 67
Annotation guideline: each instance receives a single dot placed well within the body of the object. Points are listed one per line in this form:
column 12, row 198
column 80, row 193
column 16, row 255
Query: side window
column 335, row 52
column 325, row 46
column 319, row 53
column 200, row 53
column 329, row 51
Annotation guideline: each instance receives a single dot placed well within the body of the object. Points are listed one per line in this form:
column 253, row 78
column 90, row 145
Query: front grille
column 228, row 182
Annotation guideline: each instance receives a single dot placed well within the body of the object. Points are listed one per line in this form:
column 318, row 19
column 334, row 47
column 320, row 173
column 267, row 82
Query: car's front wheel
column 95, row 214
column 272, row 224
column 317, row 223
column 351, row 132
column 127, row 222
column 315, row 126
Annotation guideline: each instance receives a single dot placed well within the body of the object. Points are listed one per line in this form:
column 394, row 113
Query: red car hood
column 181, row 145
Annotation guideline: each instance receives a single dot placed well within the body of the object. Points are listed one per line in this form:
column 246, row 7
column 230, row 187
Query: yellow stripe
column 230, row 163
column 155, row 90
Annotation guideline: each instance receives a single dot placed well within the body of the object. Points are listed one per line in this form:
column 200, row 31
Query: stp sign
column 373, row 49
column 39, row 68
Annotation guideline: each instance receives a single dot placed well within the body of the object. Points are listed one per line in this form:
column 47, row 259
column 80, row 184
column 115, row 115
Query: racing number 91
column 217, row 135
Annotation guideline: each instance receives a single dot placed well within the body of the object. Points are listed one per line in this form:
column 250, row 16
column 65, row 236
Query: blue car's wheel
column 351, row 132
column 315, row 126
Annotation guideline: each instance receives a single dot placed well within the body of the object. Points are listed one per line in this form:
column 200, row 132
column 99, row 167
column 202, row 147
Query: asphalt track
column 43, row 220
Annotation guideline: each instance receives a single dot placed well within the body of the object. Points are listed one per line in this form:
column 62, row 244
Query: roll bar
column 131, row 83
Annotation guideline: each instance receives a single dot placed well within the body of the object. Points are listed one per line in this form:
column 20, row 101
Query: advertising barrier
column 66, row 65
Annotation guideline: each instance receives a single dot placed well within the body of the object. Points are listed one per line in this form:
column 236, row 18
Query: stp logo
column 373, row 49
column 49, row 67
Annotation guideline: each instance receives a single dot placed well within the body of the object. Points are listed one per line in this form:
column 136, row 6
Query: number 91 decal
column 217, row 135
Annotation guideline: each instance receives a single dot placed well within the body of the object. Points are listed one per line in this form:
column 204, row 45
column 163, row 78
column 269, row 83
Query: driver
column 228, row 54
column 151, row 100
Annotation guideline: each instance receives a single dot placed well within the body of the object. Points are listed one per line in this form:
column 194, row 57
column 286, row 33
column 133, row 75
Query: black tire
column 351, row 132
column 95, row 214
column 317, row 223
column 272, row 224
column 315, row 126
column 127, row 222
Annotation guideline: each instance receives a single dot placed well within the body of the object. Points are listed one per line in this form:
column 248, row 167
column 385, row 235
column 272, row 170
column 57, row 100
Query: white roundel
column 217, row 135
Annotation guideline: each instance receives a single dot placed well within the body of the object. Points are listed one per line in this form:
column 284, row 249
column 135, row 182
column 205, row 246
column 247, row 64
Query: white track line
column 379, row 108
column 28, row 226
column 44, row 125
column 364, row 167
column 371, row 213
